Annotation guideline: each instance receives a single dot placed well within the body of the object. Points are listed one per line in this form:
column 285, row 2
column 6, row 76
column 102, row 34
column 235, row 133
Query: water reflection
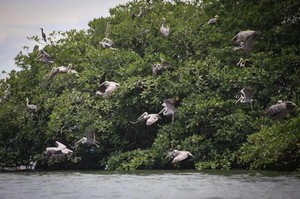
column 149, row 184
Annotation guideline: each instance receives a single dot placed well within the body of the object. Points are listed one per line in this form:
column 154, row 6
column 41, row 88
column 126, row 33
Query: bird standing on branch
column 43, row 35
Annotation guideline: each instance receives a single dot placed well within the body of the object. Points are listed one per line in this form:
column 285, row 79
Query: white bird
column 279, row 110
column 164, row 30
column 244, row 40
column 150, row 118
column 30, row 106
column 107, row 43
column 60, row 148
column 44, row 57
column 179, row 155
column 246, row 95
column 106, row 88
column 169, row 108
column 213, row 20
column 61, row 69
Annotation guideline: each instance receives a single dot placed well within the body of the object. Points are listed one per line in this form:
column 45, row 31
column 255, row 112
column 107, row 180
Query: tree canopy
column 201, row 74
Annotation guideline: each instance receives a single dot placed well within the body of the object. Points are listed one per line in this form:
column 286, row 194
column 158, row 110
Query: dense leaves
column 202, row 75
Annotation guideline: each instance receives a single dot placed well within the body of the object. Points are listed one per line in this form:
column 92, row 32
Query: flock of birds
column 242, row 41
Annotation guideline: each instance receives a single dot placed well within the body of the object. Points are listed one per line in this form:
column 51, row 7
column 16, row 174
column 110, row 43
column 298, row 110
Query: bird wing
column 182, row 155
column 53, row 72
column 170, row 102
column 152, row 119
column 60, row 145
column 248, row 93
column 248, row 43
column 275, row 109
column 90, row 135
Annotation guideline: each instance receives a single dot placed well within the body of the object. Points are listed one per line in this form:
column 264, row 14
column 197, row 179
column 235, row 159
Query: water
column 149, row 184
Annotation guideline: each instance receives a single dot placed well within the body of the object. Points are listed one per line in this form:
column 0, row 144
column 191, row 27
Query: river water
column 149, row 184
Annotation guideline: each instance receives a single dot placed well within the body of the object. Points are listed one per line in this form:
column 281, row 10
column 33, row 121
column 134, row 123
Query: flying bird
column 88, row 140
column 60, row 69
column 31, row 106
column 169, row 108
column 213, row 20
column 44, row 57
column 43, row 35
column 107, row 43
column 106, row 88
column 244, row 40
column 164, row 30
column 60, row 148
column 279, row 110
column 150, row 118
column 179, row 156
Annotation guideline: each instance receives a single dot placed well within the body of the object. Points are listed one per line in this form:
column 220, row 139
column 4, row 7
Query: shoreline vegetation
column 217, row 81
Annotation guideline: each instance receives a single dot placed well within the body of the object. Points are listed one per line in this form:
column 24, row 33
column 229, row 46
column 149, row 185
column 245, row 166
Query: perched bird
column 169, row 108
column 244, row 40
column 246, row 95
column 106, row 88
column 107, row 43
column 44, row 57
column 141, row 13
column 6, row 93
column 179, row 155
column 60, row 69
column 150, row 118
column 43, row 35
column 279, row 110
column 30, row 106
column 213, row 20
column 242, row 62
column 158, row 68
column 60, row 148
column 164, row 30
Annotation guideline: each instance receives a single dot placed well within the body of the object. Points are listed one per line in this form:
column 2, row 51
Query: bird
column 60, row 69
column 244, row 40
column 213, row 21
column 150, row 118
column 164, row 30
column 279, row 110
column 31, row 106
column 107, row 43
column 43, row 35
column 141, row 13
column 6, row 93
column 60, row 148
column 169, row 108
column 179, row 156
column 44, row 57
column 242, row 62
column 106, row 88
column 246, row 95
column 89, row 140
column 159, row 67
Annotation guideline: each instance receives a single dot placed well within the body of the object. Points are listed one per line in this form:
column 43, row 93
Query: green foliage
column 273, row 147
column 202, row 76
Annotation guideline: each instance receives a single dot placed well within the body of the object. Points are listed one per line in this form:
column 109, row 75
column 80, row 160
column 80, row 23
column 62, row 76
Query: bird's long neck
column 162, row 23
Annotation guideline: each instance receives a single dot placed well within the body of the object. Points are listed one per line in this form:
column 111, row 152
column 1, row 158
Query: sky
column 22, row 18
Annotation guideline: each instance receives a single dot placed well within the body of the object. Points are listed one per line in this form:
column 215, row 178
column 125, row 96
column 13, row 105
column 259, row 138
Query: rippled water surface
column 149, row 184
